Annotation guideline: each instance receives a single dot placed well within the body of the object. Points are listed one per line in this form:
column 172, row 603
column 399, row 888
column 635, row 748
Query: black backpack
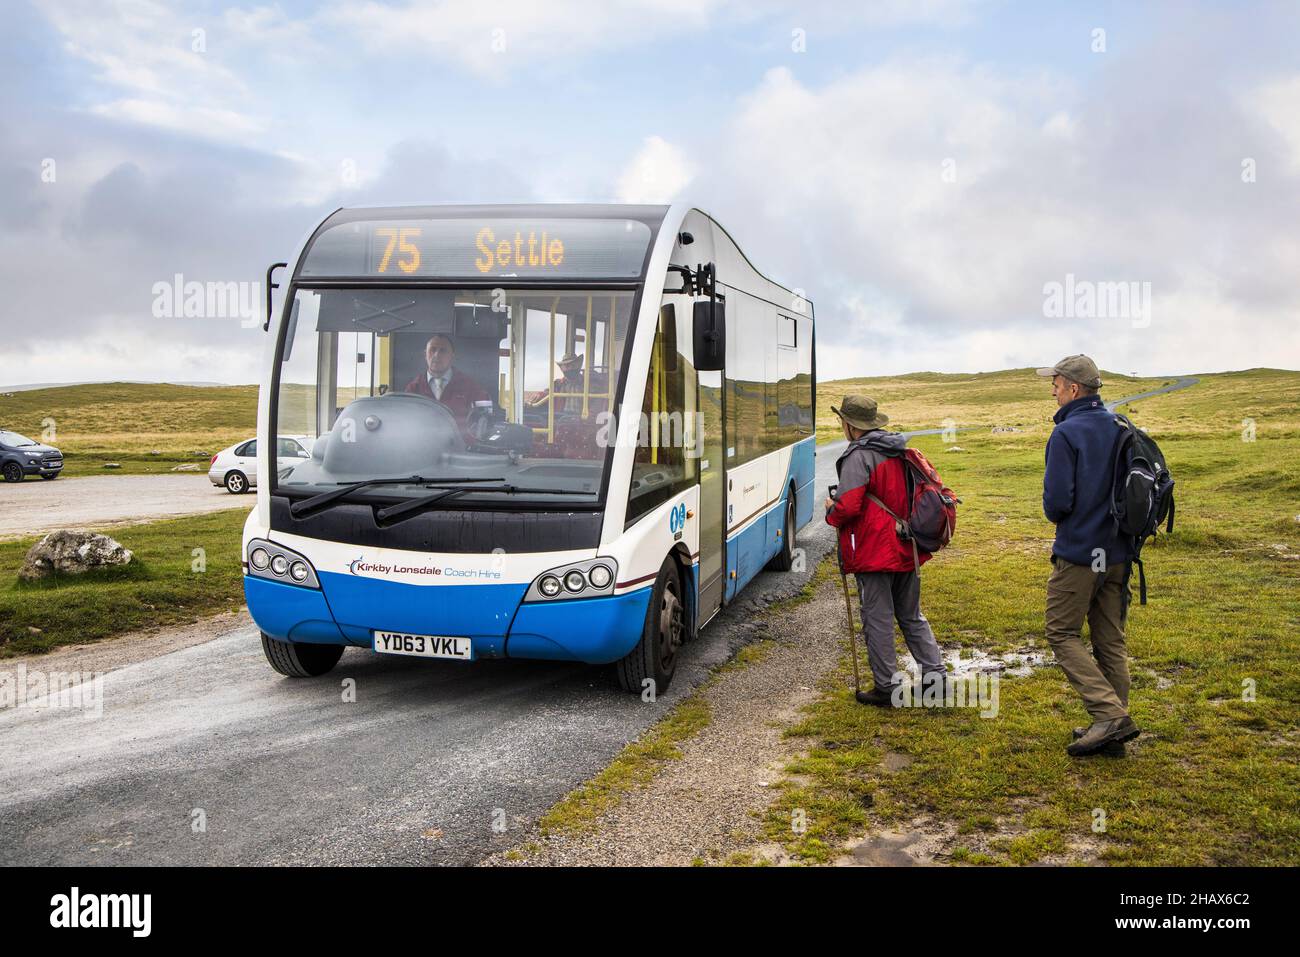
column 1143, row 493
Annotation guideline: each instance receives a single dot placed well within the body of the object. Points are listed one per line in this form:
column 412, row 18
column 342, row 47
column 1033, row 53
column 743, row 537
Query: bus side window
column 667, row 449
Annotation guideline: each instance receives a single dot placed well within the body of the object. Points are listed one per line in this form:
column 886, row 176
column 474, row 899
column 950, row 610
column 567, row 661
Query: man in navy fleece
column 1090, row 565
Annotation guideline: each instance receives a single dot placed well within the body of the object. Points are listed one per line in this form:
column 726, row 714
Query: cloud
column 80, row 283
column 492, row 40
column 496, row 38
column 1277, row 103
column 657, row 174
column 925, row 202
column 152, row 64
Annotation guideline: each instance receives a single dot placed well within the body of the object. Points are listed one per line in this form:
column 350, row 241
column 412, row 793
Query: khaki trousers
column 1076, row 592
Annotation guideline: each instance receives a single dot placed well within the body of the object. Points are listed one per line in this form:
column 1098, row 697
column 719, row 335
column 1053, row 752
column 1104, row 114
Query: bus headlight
column 277, row 563
column 590, row 579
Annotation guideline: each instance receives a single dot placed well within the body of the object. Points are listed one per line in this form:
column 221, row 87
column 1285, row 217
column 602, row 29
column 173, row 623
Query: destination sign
column 475, row 248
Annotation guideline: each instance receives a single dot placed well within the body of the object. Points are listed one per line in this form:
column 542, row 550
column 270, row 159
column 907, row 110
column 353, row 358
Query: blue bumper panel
column 593, row 630
column 482, row 612
column 291, row 613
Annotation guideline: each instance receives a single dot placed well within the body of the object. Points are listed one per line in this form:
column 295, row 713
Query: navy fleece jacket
column 1077, row 482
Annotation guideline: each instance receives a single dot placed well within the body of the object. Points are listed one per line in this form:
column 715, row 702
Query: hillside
column 126, row 422
column 1020, row 399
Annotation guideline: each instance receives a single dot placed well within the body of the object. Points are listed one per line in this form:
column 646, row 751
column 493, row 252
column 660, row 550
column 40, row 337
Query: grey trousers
column 887, row 597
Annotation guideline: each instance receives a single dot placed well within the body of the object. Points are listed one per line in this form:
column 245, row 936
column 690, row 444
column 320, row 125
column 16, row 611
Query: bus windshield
column 497, row 390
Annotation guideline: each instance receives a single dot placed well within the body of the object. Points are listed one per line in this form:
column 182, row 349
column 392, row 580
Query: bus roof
column 597, row 245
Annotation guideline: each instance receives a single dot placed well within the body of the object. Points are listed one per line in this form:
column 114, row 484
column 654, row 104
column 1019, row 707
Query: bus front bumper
column 496, row 620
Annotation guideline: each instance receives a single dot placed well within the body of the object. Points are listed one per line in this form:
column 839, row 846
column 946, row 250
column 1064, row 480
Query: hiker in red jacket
column 889, row 588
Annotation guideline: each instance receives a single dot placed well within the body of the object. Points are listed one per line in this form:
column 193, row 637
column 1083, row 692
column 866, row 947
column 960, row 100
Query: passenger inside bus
column 568, row 389
column 441, row 380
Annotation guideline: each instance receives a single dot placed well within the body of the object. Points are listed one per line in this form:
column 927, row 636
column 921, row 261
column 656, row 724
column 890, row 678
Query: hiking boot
column 880, row 697
column 1102, row 733
column 1113, row 750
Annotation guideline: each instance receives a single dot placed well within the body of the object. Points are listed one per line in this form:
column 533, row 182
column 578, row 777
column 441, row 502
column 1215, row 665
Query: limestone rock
column 69, row 552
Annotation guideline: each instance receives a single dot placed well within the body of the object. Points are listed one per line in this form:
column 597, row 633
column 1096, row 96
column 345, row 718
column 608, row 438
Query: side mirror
column 271, row 284
column 710, row 335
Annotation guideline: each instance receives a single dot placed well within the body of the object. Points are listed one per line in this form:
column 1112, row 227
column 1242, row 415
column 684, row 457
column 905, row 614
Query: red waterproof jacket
column 868, row 541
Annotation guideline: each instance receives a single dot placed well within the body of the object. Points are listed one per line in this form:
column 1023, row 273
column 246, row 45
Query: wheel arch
column 681, row 556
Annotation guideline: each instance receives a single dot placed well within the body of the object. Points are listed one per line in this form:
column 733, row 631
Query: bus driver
column 443, row 382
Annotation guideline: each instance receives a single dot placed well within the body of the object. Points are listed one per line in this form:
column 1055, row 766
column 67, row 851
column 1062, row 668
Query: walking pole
column 848, row 608
column 853, row 637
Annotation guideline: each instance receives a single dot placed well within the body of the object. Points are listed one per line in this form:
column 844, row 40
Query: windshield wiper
column 395, row 512
column 317, row 502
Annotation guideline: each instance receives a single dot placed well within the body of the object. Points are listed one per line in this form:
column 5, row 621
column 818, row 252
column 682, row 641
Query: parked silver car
column 236, row 467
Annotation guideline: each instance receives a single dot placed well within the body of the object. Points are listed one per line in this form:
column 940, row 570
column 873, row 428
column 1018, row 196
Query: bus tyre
column 655, row 655
column 236, row 483
column 783, row 560
column 296, row 659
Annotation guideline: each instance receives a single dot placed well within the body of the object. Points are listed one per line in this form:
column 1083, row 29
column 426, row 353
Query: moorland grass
column 126, row 423
column 1215, row 662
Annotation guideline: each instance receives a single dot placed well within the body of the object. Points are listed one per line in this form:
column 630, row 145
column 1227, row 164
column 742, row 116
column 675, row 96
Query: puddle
column 915, row 847
column 971, row 661
column 888, row 849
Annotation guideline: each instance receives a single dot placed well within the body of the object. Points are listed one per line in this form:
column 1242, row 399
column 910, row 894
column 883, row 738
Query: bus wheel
column 236, row 483
column 655, row 655
column 296, row 659
column 783, row 560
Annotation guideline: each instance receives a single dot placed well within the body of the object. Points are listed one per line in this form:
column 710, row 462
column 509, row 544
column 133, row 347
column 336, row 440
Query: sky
column 957, row 185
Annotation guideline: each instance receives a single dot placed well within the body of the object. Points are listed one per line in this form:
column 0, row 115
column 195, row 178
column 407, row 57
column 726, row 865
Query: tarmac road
column 35, row 506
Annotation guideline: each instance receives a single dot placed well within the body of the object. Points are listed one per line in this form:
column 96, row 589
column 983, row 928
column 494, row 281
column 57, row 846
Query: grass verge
column 183, row 568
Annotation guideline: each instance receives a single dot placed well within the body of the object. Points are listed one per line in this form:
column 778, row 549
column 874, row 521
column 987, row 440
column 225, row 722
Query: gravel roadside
column 709, row 803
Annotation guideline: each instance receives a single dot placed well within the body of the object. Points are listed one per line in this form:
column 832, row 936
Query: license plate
column 423, row 646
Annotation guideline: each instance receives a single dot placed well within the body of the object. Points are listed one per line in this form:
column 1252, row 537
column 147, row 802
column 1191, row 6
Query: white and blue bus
column 567, row 432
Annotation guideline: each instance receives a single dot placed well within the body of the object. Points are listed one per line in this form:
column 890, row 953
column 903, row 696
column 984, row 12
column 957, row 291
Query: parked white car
column 236, row 467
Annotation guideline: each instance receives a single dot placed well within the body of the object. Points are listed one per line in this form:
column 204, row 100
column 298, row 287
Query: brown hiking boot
column 1113, row 750
column 1102, row 733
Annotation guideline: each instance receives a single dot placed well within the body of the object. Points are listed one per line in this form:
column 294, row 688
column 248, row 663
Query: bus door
column 713, row 495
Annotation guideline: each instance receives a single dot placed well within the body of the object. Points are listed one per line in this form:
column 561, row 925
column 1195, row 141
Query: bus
column 564, row 432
